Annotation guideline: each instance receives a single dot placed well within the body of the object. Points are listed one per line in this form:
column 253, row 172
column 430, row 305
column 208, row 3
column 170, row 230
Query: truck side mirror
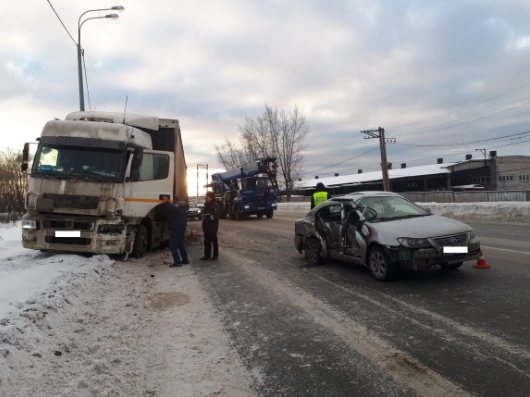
column 24, row 167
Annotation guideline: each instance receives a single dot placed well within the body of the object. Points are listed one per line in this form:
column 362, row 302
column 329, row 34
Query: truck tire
column 233, row 212
column 239, row 215
column 223, row 213
column 312, row 249
column 140, row 242
column 269, row 214
column 380, row 265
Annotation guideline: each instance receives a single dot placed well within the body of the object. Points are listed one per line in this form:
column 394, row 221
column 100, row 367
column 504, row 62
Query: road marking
column 504, row 249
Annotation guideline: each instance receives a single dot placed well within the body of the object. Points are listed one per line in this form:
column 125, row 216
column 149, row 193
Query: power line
column 466, row 122
column 342, row 162
column 61, row 22
column 468, row 117
column 462, row 143
column 465, row 107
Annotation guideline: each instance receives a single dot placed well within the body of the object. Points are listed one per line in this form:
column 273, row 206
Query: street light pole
column 79, row 49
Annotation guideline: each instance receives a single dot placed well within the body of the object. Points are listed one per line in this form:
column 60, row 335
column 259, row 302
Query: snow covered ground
column 74, row 325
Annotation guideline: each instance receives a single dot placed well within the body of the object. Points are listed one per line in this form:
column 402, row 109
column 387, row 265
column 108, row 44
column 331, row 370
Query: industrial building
column 492, row 173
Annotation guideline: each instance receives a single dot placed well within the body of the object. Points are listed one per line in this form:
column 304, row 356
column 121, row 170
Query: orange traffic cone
column 192, row 234
column 481, row 262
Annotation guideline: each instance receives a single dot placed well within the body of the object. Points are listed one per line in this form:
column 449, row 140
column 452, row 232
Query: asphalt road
column 333, row 330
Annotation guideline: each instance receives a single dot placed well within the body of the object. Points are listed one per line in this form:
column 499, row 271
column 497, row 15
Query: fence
column 449, row 197
column 468, row 197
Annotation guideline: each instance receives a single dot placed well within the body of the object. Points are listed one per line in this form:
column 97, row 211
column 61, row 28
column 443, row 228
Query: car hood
column 424, row 226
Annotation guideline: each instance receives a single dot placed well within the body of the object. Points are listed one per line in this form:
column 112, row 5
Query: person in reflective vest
column 320, row 195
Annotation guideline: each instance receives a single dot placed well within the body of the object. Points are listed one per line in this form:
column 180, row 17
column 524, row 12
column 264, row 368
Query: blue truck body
column 247, row 190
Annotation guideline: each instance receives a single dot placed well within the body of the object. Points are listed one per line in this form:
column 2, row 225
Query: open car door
column 353, row 242
column 328, row 224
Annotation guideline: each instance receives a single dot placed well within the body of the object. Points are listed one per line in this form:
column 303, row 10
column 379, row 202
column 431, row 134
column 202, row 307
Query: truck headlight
column 111, row 229
column 29, row 224
column 247, row 207
column 414, row 242
column 472, row 234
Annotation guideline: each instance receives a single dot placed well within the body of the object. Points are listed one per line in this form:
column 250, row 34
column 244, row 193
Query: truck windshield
column 72, row 162
column 255, row 182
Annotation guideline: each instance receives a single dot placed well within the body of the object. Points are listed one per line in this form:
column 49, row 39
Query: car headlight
column 29, row 224
column 199, row 211
column 472, row 234
column 414, row 242
column 247, row 207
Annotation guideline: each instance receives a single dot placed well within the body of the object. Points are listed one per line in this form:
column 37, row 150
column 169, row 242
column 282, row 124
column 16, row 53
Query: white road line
column 504, row 249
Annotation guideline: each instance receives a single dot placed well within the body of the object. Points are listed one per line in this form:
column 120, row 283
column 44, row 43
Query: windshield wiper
column 410, row 216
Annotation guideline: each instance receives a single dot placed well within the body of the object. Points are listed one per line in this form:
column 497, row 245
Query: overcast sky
column 348, row 65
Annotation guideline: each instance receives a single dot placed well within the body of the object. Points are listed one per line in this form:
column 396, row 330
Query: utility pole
column 203, row 166
column 380, row 133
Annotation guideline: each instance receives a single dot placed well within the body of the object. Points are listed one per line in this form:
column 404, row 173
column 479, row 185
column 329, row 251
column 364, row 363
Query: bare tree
column 274, row 133
column 13, row 182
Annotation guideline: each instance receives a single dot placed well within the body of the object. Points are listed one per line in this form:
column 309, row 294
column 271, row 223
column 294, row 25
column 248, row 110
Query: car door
column 328, row 223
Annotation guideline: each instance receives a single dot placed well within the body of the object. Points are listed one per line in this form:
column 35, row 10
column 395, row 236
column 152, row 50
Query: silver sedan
column 384, row 231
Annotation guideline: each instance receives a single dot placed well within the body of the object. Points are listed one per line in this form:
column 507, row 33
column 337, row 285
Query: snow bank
column 294, row 207
column 501, row 212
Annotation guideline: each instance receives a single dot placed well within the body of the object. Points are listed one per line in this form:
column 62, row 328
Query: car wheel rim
column 378, row 264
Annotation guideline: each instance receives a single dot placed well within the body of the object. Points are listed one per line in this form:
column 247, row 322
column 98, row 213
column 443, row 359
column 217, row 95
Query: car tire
column 380, row 265
column 451, row 267
column 312, row 251
column 269, row 214
column 140, row 242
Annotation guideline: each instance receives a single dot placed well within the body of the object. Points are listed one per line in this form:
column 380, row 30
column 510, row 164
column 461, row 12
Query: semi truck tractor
column 247, row 190
column 97, row 181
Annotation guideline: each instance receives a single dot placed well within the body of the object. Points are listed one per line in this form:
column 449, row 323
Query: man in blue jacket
column 177, row 226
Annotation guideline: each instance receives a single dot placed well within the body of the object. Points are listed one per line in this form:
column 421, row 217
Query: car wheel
column 140, row 242
column 380, row 265
column 312, row 249
column 451, row 267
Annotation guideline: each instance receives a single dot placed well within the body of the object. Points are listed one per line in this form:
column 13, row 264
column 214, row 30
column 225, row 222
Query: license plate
column 68, row 233
column 261, row 208
column 448, row 251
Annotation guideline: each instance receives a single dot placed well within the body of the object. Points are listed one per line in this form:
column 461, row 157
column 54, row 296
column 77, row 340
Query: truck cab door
column 148, row 182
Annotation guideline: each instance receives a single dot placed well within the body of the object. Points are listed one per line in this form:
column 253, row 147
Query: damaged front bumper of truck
column 427, row 257
column 76, row 234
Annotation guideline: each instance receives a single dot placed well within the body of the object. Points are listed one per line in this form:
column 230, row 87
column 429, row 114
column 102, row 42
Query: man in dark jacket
column 177, row 226
column 210, row 225
column 320, row 195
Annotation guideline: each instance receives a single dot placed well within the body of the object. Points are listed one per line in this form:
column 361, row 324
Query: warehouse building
column 493, row 173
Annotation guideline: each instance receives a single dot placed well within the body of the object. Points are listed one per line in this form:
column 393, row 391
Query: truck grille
column 65, row 201
column 456, row 239
column 67, row 224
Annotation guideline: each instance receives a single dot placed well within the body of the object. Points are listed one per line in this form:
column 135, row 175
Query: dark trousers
column 209, row 240
column 176, row 245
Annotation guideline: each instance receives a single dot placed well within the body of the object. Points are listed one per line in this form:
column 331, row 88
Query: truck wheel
column 313, row 248
column 239, row 215
column 269, row 214
column 380, row 265
column 140, row 242
column 232, row 212
column 452, row 267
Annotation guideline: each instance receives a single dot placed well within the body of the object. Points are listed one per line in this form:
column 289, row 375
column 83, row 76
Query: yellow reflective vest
column 319, row 197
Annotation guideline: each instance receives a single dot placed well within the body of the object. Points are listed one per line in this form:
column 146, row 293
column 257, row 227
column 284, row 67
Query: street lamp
column 79, row 25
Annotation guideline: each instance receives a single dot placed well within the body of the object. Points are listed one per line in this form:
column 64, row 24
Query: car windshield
column 72, row 162
column 384, row 208
column 192, row 205
column 199, row 202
